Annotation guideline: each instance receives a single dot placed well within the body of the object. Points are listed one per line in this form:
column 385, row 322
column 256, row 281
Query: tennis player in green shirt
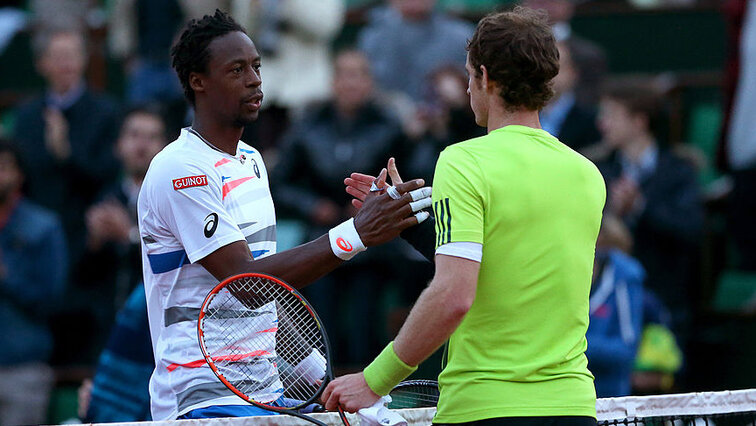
column 517, row 215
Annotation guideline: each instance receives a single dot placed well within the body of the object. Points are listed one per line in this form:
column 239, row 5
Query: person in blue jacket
column 617, row 312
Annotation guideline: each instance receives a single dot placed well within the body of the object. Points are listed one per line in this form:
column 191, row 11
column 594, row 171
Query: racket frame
column 287, row 410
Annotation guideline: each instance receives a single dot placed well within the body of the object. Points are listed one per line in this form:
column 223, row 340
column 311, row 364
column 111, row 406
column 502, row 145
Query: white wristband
column 345, row 241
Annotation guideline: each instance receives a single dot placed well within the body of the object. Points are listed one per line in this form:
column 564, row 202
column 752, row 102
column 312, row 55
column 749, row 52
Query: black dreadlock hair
column 190, row 53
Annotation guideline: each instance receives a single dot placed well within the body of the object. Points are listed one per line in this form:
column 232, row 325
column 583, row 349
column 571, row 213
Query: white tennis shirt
column 194, row 200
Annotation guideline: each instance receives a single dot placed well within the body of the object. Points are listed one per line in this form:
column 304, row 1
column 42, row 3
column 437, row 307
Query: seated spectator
column 655, row 193
column 65, row 138
column 625, row 318
column 560, row 14
column 119, row 390
column 141, row 34
column 33, row 268
column 616, row 311
column 571, row 121
column 350, row 132
column 443, row 118
column 407, row 40
column 737, row 150
column 112, row 264
column 659, row 357
column 294, row 39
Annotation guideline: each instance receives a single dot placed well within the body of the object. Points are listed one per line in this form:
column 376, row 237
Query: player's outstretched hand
column 386, row 213
column 351, row 392
column 358, row 184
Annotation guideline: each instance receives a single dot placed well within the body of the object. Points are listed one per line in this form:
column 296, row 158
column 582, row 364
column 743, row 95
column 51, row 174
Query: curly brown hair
column 520, row 54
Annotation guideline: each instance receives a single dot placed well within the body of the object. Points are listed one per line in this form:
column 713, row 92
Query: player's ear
column 196, row 82
column 484, row 77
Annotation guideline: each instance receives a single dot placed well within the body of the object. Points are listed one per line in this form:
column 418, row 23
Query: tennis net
column 727, row 408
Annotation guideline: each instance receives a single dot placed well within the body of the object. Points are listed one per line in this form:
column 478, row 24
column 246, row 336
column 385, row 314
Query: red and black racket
column 266, row 344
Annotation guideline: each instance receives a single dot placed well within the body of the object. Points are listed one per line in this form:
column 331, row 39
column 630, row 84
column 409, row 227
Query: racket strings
column 419, row 394
column 256, row 331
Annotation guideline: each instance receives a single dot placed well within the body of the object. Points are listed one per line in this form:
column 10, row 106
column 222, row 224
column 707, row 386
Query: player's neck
column 499, row 117
column 225, row 138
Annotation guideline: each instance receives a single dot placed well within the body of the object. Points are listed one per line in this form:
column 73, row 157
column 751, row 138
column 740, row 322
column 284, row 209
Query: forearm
column 437, row 313
column 298, row 267
column 433, row 319
column 301, row 265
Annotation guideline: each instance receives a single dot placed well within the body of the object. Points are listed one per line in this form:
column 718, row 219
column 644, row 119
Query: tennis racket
column 414, row 394
column 266, row 344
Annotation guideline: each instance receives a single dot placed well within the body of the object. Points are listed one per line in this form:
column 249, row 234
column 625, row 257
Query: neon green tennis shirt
column 535, row 206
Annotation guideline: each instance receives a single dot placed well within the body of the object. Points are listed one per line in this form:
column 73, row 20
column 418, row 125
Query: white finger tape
column 421, row 216
column 393, row 193
column 345, row 241
column 421, row 193
column 422, row 204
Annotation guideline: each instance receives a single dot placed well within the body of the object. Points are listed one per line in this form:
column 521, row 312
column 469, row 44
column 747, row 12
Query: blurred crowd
column 347, row 85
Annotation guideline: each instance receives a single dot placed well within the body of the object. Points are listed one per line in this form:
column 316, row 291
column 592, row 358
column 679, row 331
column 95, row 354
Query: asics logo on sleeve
column 211, row 224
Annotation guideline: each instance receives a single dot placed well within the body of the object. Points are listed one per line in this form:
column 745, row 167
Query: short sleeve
column 457, row 200
column 188, row 201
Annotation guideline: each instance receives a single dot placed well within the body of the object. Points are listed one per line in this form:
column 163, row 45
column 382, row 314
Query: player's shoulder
column 181, row 163
column 463, row 154
column 464, row 148
column 179, row 156
column 248, row 149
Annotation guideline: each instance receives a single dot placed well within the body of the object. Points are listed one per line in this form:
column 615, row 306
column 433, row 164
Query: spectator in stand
column 112, row 265
column 443, row 118
column 560, row 13
column 565, row 117
column 33, row 269
column 588, row 57
column 616, row 310
column 655, row 193
column 408, row 40
column 737, row 151
column 141, row 33
column 625, row 317
column 119, row 390
column 65, row 138
column 350, row 132
column 292, row 36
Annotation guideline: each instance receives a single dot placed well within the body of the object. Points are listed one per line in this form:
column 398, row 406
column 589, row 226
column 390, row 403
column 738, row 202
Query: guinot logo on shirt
column 189, row 181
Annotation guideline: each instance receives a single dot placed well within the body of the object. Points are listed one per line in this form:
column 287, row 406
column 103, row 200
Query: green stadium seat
column 703, row 132
column 736, row 291
column 64, row 405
